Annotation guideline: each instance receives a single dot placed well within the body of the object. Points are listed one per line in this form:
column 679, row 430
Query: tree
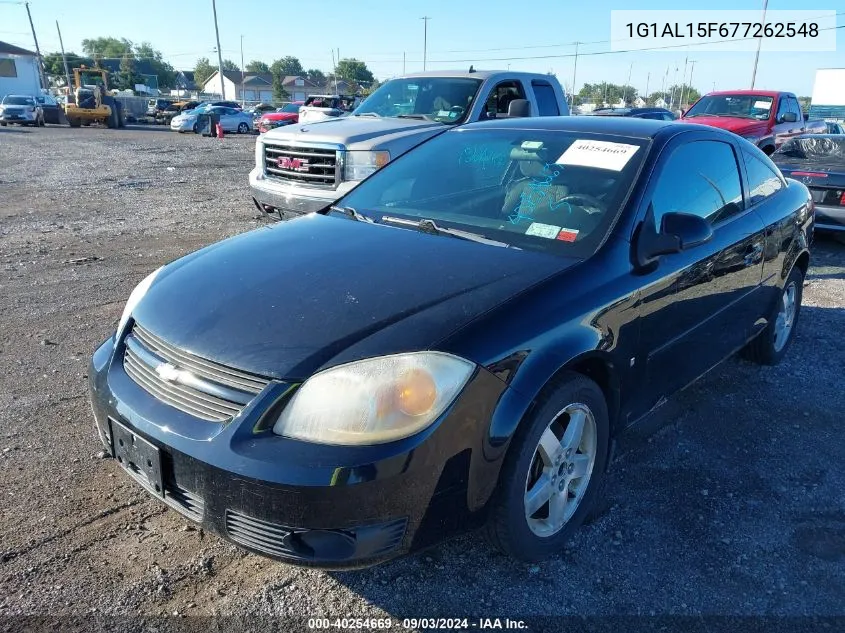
column 228, row 64
column 128, row 76
column 279, row 92
column 316, row 76
column 256, row 66
column 53, row 64
column 683, row 91
column 107, row 47
column 203, row 71
column 287, row 66
column 153, row 61
column 353, row 70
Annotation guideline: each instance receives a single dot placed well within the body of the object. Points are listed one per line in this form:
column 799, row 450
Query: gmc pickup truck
column 765, row 118
column 305, row 167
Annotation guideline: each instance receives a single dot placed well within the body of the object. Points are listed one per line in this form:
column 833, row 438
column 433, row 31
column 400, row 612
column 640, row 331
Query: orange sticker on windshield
column 567, row 235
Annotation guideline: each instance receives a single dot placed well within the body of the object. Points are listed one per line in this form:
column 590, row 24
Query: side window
column 763, row 181
column 783, row 107
column 700, row 178
column 500, row 97
column 546, row 99
column 668, row 116
column 795, row 107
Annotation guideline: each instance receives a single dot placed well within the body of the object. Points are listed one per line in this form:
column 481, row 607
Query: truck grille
column 199, row 387
column 316, row 166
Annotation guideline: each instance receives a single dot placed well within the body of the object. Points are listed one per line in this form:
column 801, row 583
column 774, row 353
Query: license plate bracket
column 138, row 457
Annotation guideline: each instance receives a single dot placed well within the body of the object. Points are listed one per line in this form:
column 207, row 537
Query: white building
column 18, row 71
column 828, row 100
column 257, row 86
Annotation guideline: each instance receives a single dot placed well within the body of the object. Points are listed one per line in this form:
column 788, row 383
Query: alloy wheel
column 560, row 470
column 785, row 317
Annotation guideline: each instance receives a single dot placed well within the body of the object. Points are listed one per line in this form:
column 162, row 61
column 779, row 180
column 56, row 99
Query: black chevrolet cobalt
column 456, row 342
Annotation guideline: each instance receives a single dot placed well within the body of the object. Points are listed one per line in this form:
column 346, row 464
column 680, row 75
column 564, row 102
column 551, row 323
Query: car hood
column 352, row 129
column 737, row 125
column 287, row 300
column 280, row 116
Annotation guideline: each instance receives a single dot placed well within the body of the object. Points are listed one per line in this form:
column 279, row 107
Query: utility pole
column 691, row 71
column 64, row 60
column 575, row 69
column 334, row 72
column 243, row 72
column 683, row 83
column 627, row 83
column 37, row 50
column 759, row 44
column 403, row 62
column 219, row 51
column 425, row 20
column 647, row 80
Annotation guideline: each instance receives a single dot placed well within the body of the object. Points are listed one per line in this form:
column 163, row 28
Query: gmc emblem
column 293, row 164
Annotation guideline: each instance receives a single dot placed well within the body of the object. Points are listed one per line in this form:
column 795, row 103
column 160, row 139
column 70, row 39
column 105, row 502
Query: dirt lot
column 730, row 502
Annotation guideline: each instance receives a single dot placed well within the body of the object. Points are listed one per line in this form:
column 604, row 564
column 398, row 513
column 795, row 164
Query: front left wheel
column 243, row 128
column 553, row 472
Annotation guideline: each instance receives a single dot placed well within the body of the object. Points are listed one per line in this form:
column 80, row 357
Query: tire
column 771, row 345
column 2, row 125
column 41, row 122
column 531, row 536
column 121, row 119
column 839, row 237
column 74, row 122
column 768, row 150
column 196, row 128
column 243, row 128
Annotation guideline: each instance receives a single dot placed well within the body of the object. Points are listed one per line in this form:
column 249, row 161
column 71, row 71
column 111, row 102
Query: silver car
column 232, row 120
column 20, row 109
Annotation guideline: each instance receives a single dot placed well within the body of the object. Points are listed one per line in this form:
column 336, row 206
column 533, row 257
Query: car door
column 228, row 119
column 697, row 306
column 784, row 128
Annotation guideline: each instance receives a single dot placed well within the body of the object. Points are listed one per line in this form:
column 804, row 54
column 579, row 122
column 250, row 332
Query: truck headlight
column 360, row 164
column 135, row 298
column 375, row 400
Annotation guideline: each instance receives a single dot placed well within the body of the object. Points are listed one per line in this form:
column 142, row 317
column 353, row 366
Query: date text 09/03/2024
column 457, row 624
column 740, row 30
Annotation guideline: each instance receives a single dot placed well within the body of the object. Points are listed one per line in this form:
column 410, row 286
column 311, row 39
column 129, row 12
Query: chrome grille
column 316, row 166
column 200, row 387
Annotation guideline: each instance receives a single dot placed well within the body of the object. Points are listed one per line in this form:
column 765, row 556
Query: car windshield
column 13, row 100
column 741, row 106
column 444, row 99
column 541, row 190
column 829, row 149
column 290, row 107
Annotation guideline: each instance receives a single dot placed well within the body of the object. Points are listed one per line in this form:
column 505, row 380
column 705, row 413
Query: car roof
column 761, row 93
column 476, row 74
column 616, row 126
column 20, row 96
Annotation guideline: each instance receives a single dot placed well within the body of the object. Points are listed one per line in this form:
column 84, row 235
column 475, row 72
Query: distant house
column 185, row 80
column 298, row 87
column 661, row 103
column 18, row 71
column 639, row 102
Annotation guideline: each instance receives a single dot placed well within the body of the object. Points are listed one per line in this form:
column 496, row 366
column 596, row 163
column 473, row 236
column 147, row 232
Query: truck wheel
column 121, row 119
column 74, row 122
column 768, row 150
column 3, row 124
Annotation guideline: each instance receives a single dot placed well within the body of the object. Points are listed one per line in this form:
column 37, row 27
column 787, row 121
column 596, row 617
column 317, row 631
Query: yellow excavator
column 91, row 100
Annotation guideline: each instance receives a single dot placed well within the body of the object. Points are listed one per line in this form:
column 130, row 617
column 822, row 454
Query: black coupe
column 455, row 342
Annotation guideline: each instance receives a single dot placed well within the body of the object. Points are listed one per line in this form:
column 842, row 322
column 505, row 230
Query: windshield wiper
column 372, row 114
column 352, row 213
column 421, row 117
column 428, row 226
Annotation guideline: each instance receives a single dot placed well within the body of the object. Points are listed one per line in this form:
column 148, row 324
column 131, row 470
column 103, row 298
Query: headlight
column 374, row 401
column 359, row 165
column 135, row 298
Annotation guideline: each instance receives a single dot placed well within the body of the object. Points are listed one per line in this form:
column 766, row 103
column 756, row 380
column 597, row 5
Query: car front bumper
column 18, row 117
column 183, row 126
column 830, row 218
column 291, row 201
column 307, row 504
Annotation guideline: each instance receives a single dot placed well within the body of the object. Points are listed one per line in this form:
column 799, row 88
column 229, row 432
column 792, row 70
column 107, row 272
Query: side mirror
column 678, row 232
column 691, row 230
column 788, row 117
column 519, row 108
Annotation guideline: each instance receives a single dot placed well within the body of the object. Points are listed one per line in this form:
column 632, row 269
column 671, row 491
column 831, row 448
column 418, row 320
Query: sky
column 486, row 33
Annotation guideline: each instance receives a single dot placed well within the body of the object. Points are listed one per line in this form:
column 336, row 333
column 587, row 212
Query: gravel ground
column 728, row 501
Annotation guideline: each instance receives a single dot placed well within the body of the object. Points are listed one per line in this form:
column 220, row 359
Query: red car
column 765, row 118
column 283, row 116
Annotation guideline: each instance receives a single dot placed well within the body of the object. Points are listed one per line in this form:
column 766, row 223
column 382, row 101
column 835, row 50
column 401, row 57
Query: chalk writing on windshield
column 485, row 157
column 538, row 191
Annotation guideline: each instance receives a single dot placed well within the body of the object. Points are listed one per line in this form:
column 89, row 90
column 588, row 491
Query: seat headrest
column 534, row 155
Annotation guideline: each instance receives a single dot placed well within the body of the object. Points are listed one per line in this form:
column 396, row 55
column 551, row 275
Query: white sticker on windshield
column 532, row 145
column 763, row 105
column 549, row 231
column 600, row 154
column 443, row 113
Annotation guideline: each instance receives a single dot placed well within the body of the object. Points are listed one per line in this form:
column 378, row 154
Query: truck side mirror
column 519, row 108
column 788, row 117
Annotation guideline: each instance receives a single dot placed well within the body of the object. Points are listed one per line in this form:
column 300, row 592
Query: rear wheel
column 243, row 128
column 773, row 342
column 74, row 122
column 553, row 472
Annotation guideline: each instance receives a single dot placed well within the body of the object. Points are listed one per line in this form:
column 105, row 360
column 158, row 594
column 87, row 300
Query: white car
column 232, row 120
column 21, row 109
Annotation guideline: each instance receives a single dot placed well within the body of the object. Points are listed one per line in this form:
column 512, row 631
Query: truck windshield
column 444, row 99
column 741, row 106
column 543, row 190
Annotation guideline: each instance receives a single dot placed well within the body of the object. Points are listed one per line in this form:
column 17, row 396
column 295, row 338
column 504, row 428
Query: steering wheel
column 590, row 200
